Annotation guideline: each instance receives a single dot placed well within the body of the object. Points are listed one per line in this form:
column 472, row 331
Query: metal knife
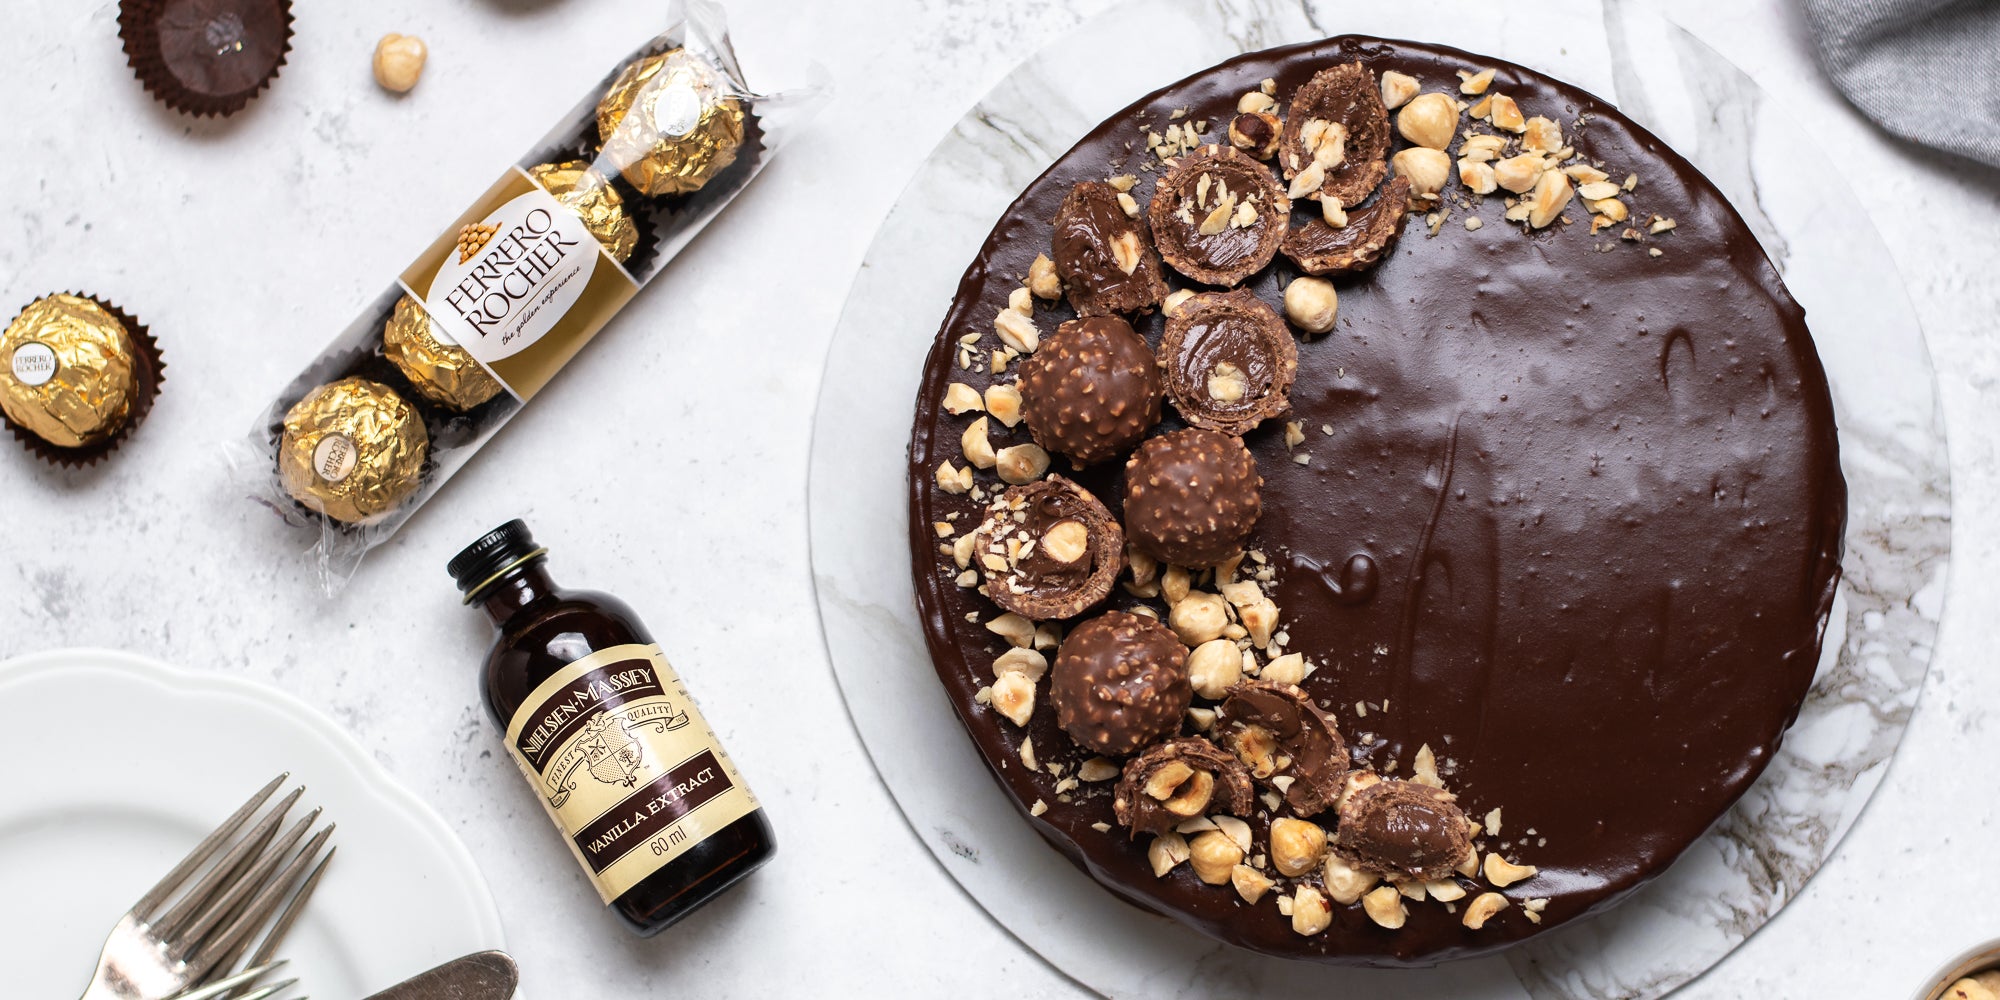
column 483, row 975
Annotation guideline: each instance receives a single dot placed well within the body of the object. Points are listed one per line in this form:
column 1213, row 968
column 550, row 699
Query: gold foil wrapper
column 67, row 371
column 587, row 193
column 440, row 369
column 668, row 123
column 352, row 450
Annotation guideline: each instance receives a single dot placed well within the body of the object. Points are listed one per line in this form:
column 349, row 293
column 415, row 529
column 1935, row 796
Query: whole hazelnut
column 1311, row 304
column 1256, row 133
column 1296, row 845
column 1427, row 169
column 1429, row 120
column 399, row 61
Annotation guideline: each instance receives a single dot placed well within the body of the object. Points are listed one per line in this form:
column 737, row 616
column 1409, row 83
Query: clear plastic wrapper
column 515, row 287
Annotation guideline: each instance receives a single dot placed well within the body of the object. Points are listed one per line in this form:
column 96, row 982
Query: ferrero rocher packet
column 512, row 289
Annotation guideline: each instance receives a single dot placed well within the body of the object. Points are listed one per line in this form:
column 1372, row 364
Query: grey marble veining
column 1760, row 855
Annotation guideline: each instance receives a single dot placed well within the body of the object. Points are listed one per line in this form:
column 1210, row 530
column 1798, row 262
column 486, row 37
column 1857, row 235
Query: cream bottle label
column 625, row 765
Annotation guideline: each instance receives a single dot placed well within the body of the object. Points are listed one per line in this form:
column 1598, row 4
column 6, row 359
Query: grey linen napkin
column 1926, row 70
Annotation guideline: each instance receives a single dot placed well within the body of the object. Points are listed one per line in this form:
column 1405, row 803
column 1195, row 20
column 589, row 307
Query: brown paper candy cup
column 205, row 57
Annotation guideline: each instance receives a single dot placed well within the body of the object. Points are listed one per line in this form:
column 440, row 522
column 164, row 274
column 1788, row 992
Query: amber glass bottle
column 603, row 729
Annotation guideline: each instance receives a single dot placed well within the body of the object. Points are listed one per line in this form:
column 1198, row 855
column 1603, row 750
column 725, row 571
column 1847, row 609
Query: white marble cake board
column 1878, row 645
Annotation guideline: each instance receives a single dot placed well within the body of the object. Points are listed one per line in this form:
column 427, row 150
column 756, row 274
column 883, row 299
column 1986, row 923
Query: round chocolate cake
column 1472, row 547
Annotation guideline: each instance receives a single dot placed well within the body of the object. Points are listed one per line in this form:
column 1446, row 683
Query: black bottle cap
column 496, row 552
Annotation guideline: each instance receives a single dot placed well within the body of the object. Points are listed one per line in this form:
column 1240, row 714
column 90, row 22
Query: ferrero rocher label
column 352, row 450
column 434, row 363
column 66, row 371
column 520, row 282
column 625, row 765
column 668, row 124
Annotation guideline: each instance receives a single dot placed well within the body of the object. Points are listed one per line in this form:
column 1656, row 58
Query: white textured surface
column 667, row 471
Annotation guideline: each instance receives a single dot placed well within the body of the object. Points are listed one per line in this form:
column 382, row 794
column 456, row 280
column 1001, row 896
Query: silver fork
column 223, row 989
column 192, row 928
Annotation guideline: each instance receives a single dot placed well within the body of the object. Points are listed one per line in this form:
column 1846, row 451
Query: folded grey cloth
column 1926, row 70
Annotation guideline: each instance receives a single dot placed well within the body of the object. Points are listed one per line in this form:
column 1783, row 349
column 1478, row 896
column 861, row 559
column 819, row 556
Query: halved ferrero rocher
column 1103, row 256
column 1091, row 390
column 1229, row 361
column 1319, row 248
column 1401, row 829
column 1192, row 497
column 1048, row 549
column 1336, row 142
column 1119, row 682
column 1277, row 731
column 594, row 200
column 1176, row 780
column 1219, row 216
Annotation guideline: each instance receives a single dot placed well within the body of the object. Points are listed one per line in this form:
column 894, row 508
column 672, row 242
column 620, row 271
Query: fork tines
column 245, row 877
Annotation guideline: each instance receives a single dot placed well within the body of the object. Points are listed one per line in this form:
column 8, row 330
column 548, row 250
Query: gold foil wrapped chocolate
column 69, row 376
column 669, row 124
column 434, row 363
column 352, row 450
column 586, row 192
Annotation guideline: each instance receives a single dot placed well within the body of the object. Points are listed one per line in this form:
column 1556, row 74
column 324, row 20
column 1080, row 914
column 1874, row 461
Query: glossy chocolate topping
column 1576, row 526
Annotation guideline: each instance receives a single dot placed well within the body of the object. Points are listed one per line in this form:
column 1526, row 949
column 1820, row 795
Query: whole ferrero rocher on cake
column 1457, row 596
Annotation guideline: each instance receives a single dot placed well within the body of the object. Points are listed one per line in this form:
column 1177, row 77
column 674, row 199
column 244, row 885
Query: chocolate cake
column 1542, row 535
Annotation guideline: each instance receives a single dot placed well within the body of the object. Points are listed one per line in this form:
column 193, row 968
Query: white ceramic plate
column 117, row 765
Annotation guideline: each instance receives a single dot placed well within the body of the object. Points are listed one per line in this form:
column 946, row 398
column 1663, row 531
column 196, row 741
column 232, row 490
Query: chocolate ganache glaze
column 1572, row 518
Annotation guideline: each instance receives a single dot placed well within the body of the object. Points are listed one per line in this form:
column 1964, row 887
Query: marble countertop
column 669, row 467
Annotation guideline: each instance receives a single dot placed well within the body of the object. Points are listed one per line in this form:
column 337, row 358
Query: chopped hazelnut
column 978, row 450
column 1020, row 660
column 960, row 398
column 1097, row 769
column 1004, row 403
column 1483, row 908
column 1199, row 618
column 1255, row 102
column 1503, row 873
column 1311, row 913
column 1287, row 669
column 1398, row 89
column 1344, row 882
column 1042, row 279
column 1166, row 851
column 952, row 479
column 1519, row 173
column 1552, row 195
column 1214, row 856
column 1014, row 697
column 1384, row 905
column 1445, row 890
column 1018, row 631
column 1473, row 84
column 1507, row 115
column 1022, row 463
column 1174, row 300
column 1017, row 330
column 1250, row 883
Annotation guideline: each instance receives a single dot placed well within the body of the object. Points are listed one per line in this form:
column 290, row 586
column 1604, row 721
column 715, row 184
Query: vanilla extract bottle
column 605, row 732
